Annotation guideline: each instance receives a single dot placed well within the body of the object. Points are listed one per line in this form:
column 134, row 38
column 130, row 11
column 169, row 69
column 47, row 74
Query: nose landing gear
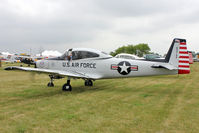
column 67, row 86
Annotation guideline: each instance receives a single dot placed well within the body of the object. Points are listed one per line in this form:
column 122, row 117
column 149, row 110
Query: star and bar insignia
column 124, row 67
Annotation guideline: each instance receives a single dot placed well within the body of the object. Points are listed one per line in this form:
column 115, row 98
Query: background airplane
column 12, row 59
column 128, row 56
column 31, row 60
column 90, row 65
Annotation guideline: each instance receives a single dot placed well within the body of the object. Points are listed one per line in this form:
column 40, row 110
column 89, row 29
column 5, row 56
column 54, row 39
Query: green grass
column 159, row 104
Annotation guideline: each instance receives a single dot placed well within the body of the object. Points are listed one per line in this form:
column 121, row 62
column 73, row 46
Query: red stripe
column 183, row 47
column 183, row 71
column 184, row 66
column 134, row 67
column 182, row 61
column 187, row 57
column 183, row 52
column 183, row 43
column 114, row 66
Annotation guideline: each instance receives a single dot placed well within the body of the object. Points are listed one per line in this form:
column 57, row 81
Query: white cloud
column 100, row 24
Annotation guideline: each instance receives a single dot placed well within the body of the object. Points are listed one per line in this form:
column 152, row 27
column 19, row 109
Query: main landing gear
column 66, row 86
column 52, row 77
column 50, row 84
column 88, row 82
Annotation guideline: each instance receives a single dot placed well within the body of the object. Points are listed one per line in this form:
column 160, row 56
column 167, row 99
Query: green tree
column 139, row 49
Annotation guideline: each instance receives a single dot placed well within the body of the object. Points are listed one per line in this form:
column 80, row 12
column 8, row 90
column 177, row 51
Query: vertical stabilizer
column 178, row 56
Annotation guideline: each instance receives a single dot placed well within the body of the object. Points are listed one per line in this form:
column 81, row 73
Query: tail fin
column 178, row 56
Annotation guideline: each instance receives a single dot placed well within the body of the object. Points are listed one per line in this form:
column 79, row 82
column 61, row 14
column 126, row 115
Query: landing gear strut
column 88, row 82
column 50, row 84
column 67, row 86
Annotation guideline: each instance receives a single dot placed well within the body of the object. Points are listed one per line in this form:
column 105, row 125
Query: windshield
column 75, row 55
column 83, row 54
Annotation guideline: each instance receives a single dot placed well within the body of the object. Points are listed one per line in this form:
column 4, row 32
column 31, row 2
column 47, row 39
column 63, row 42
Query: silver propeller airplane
column 90, row 65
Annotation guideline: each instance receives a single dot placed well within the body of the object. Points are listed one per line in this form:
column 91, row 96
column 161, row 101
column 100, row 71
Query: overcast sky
column 100, row 24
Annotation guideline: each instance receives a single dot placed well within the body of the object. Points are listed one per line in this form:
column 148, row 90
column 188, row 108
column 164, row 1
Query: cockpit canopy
column 83, row 53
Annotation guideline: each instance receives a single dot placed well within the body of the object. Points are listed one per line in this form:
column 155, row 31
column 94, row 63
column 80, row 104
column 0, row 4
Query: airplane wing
column 50, row 71
column 164, row 65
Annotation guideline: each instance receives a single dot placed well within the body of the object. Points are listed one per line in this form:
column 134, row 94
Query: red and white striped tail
column 183, row 66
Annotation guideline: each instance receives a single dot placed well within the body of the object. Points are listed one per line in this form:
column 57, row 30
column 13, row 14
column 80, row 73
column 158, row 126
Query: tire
column 86, row 83
column 50, row 84
column 67, row 87
column 90, row 83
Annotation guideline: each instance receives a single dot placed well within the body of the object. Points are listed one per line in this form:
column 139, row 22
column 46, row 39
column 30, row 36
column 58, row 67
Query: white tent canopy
column 50, row 53
column 6, row 53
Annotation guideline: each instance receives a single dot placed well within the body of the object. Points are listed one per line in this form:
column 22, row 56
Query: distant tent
column 51, row 53
column 6, row 53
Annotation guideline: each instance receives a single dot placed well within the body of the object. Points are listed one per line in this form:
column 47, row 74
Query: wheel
column 86, row 83
column 90, row 83
column 50, row 84
column 67, row 87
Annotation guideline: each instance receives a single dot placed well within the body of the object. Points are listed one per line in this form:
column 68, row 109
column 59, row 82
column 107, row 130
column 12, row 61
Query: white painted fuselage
column 103, row 68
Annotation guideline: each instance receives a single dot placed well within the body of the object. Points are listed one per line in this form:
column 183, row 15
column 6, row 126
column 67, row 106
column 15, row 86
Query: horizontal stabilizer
column 177, row 57
column 164, row 65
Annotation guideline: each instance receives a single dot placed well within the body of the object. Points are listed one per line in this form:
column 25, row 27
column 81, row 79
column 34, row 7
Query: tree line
column 139, row 49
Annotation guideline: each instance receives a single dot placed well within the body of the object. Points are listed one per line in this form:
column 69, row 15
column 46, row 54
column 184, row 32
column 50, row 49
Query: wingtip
column 8, row 68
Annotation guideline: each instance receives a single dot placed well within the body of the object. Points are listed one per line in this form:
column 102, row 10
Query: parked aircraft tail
column 178, row 56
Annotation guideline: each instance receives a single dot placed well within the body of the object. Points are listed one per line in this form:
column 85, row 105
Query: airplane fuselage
column 106, row 68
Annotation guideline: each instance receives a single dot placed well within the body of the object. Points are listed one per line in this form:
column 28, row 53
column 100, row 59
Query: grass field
column 159, row 104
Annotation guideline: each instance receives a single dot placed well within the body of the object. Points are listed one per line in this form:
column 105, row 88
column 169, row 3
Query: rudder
column 183, row 67
column 178, row 56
